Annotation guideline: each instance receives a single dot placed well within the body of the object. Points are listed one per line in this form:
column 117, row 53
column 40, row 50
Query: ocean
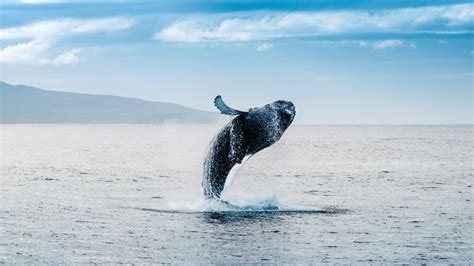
column 322, row 194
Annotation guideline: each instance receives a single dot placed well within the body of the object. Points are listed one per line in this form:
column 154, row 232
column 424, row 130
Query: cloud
column 56, row 29
column 45, row 35
column 29, row 53
column 190, row 32
column 428, row 19
column 264, row 46
column 67, row 58
column 35, row 53
column 387, row 44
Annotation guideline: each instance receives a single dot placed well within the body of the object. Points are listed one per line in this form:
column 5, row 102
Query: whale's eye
column 286, row 114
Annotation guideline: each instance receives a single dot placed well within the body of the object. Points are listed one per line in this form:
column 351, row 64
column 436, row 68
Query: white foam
column 234, row 203
column 229, row 203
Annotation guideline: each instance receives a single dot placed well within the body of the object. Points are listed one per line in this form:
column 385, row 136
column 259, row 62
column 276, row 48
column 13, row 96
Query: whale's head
column 285, row 113
column 265, row 125
column 268, row 123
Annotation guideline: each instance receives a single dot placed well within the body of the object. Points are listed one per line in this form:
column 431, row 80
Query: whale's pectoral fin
column 238, row 148
column 220, row 104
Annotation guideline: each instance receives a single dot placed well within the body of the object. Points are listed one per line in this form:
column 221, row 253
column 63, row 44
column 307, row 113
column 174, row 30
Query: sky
column 339, row 62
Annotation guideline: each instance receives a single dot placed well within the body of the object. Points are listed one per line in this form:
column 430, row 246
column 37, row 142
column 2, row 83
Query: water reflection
column 229, row 217
column 225, row 217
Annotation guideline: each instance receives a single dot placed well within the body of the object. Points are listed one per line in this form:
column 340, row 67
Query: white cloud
column 264, row 46
column 447, row 19
column 190, row 32
column 363, row 43
column 29, row 53
column 36, row 53
column 387, row 44
column 67, row 58
column 56, row 29
column 45, row 34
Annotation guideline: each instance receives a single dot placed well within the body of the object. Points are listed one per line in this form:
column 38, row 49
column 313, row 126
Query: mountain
column 21, row 104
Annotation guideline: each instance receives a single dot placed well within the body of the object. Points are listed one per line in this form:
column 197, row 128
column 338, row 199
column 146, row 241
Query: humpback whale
column 248, row 133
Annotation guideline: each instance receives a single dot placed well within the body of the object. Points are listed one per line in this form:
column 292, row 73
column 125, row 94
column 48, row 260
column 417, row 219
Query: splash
column 229, row 204
column 237, row 204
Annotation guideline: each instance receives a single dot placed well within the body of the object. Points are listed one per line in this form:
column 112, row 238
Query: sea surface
column 334, row 194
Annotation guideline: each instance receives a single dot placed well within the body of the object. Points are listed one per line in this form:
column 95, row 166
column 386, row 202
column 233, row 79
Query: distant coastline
column 22, row 104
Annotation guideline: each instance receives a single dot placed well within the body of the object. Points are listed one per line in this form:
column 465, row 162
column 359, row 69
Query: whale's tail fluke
column 220, row 104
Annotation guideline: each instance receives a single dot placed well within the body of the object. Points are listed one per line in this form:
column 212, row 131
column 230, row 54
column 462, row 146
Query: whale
column 246, row 134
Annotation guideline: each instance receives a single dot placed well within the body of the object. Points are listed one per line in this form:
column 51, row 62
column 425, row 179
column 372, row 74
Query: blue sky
column 340, row 62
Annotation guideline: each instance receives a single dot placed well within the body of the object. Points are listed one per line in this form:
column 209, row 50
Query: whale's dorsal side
column 220, row 104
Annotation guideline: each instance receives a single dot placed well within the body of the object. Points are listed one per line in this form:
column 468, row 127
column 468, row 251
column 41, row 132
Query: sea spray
column 234, row 202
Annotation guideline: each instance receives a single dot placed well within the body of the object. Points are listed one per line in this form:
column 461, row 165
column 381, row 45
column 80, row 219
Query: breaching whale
column 245, row 135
